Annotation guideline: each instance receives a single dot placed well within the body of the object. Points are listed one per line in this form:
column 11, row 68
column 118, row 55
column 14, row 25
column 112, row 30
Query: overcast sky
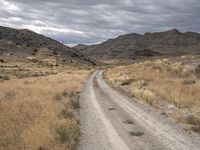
column 93, row 21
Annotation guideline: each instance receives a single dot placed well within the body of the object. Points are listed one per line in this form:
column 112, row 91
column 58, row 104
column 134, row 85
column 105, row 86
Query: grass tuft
column 65, row 93
column 74, row 103
column 197, row 71
column 193, row 120
column 10, row 95
column 188, row 82
column 57, row 97
column 62, row 134
column 67, row 114
column 6, row 77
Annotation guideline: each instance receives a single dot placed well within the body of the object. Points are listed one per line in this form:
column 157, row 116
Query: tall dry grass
column 159, row 80
column 31, row 117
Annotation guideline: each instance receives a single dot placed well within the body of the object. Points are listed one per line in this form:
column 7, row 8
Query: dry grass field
column 171, row 85
column 38, row 106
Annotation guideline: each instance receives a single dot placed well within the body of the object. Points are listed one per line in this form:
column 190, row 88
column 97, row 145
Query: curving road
column 111, row 121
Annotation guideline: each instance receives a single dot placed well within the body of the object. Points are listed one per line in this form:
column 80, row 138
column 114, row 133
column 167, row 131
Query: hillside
column 23, row 43
column 40, row 82
column 131, row 46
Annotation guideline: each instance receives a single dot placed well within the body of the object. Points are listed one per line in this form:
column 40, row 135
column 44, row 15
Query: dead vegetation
column 24, row 69
column 40, row 112
column 197, row 71
column 170, row 83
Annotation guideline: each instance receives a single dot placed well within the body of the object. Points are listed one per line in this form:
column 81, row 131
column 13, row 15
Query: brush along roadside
column 171, row 85
column 41, row 112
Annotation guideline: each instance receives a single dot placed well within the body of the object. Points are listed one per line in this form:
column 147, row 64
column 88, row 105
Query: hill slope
column 171, row 42
column 24, row 43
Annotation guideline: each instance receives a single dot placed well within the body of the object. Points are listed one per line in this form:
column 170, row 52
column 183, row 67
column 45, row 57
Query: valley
column 126, row 93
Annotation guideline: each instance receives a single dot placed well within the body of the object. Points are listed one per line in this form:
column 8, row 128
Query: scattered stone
column 111, row 108
column 171, row 106
column 164, row 114
column 128, row 121
column 136, row 133
column 186, row 129
column 196, row 128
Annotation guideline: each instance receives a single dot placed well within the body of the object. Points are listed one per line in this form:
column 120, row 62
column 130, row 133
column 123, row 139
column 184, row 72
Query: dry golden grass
column 33, row 117
column 24, row 68
column 162, row 80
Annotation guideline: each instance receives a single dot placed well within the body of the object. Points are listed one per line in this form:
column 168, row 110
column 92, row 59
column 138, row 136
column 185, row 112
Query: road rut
column 112, row 121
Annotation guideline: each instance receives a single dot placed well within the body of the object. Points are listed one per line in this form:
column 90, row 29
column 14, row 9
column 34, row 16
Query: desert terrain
column 39, row 105
column 54, row 97
column 171, row 85
column 99, row 75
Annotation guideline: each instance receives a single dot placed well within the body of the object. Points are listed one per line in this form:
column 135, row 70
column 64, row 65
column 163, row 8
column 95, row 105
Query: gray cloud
column 93, row 21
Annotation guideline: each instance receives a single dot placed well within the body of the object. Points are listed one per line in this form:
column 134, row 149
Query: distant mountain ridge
column 24, row 42
column 130, row 46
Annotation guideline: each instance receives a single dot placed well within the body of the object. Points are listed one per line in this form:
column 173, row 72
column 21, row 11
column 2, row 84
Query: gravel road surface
column 112, row 121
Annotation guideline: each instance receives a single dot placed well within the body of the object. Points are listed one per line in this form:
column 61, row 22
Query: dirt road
column 111, row 121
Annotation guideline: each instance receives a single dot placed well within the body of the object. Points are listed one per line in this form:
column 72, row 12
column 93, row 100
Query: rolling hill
column 23, row 43
column 131, row 46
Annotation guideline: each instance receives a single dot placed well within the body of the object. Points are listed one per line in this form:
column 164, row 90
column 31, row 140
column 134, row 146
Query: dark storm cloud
column 92, row 21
